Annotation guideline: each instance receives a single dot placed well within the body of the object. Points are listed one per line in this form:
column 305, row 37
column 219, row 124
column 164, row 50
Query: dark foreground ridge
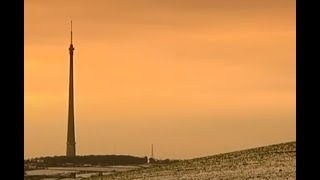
column 89, row 160
column 268, row 162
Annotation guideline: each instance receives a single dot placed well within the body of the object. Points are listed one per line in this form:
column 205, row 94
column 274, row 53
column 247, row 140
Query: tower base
column 71, row 149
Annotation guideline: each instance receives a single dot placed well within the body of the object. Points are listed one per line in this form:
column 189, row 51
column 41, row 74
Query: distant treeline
column 159, row 161
column 103, row 160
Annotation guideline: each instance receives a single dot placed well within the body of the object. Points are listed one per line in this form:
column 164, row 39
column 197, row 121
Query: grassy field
column 268, row 162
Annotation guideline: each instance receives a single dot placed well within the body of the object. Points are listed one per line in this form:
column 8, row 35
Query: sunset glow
column 192, row 77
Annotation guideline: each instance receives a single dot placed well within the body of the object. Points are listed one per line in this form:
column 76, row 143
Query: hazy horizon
column 193, row 77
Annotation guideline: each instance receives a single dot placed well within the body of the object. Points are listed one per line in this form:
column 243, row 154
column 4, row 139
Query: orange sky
column 193, row 77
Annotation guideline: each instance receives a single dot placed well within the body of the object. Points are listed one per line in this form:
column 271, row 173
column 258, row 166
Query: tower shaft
column 71, row 144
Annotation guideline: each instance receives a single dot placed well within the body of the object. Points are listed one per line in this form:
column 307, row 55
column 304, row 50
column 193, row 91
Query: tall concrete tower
column 71, row 143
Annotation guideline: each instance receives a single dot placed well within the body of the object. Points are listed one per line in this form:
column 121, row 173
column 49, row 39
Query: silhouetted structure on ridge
column 152, row 151
column 152, row 159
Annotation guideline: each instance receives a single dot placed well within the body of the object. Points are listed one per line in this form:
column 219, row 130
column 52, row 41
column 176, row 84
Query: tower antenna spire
column 71, row 31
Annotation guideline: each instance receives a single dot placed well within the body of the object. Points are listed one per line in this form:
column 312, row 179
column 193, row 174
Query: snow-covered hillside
column 269, row 162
